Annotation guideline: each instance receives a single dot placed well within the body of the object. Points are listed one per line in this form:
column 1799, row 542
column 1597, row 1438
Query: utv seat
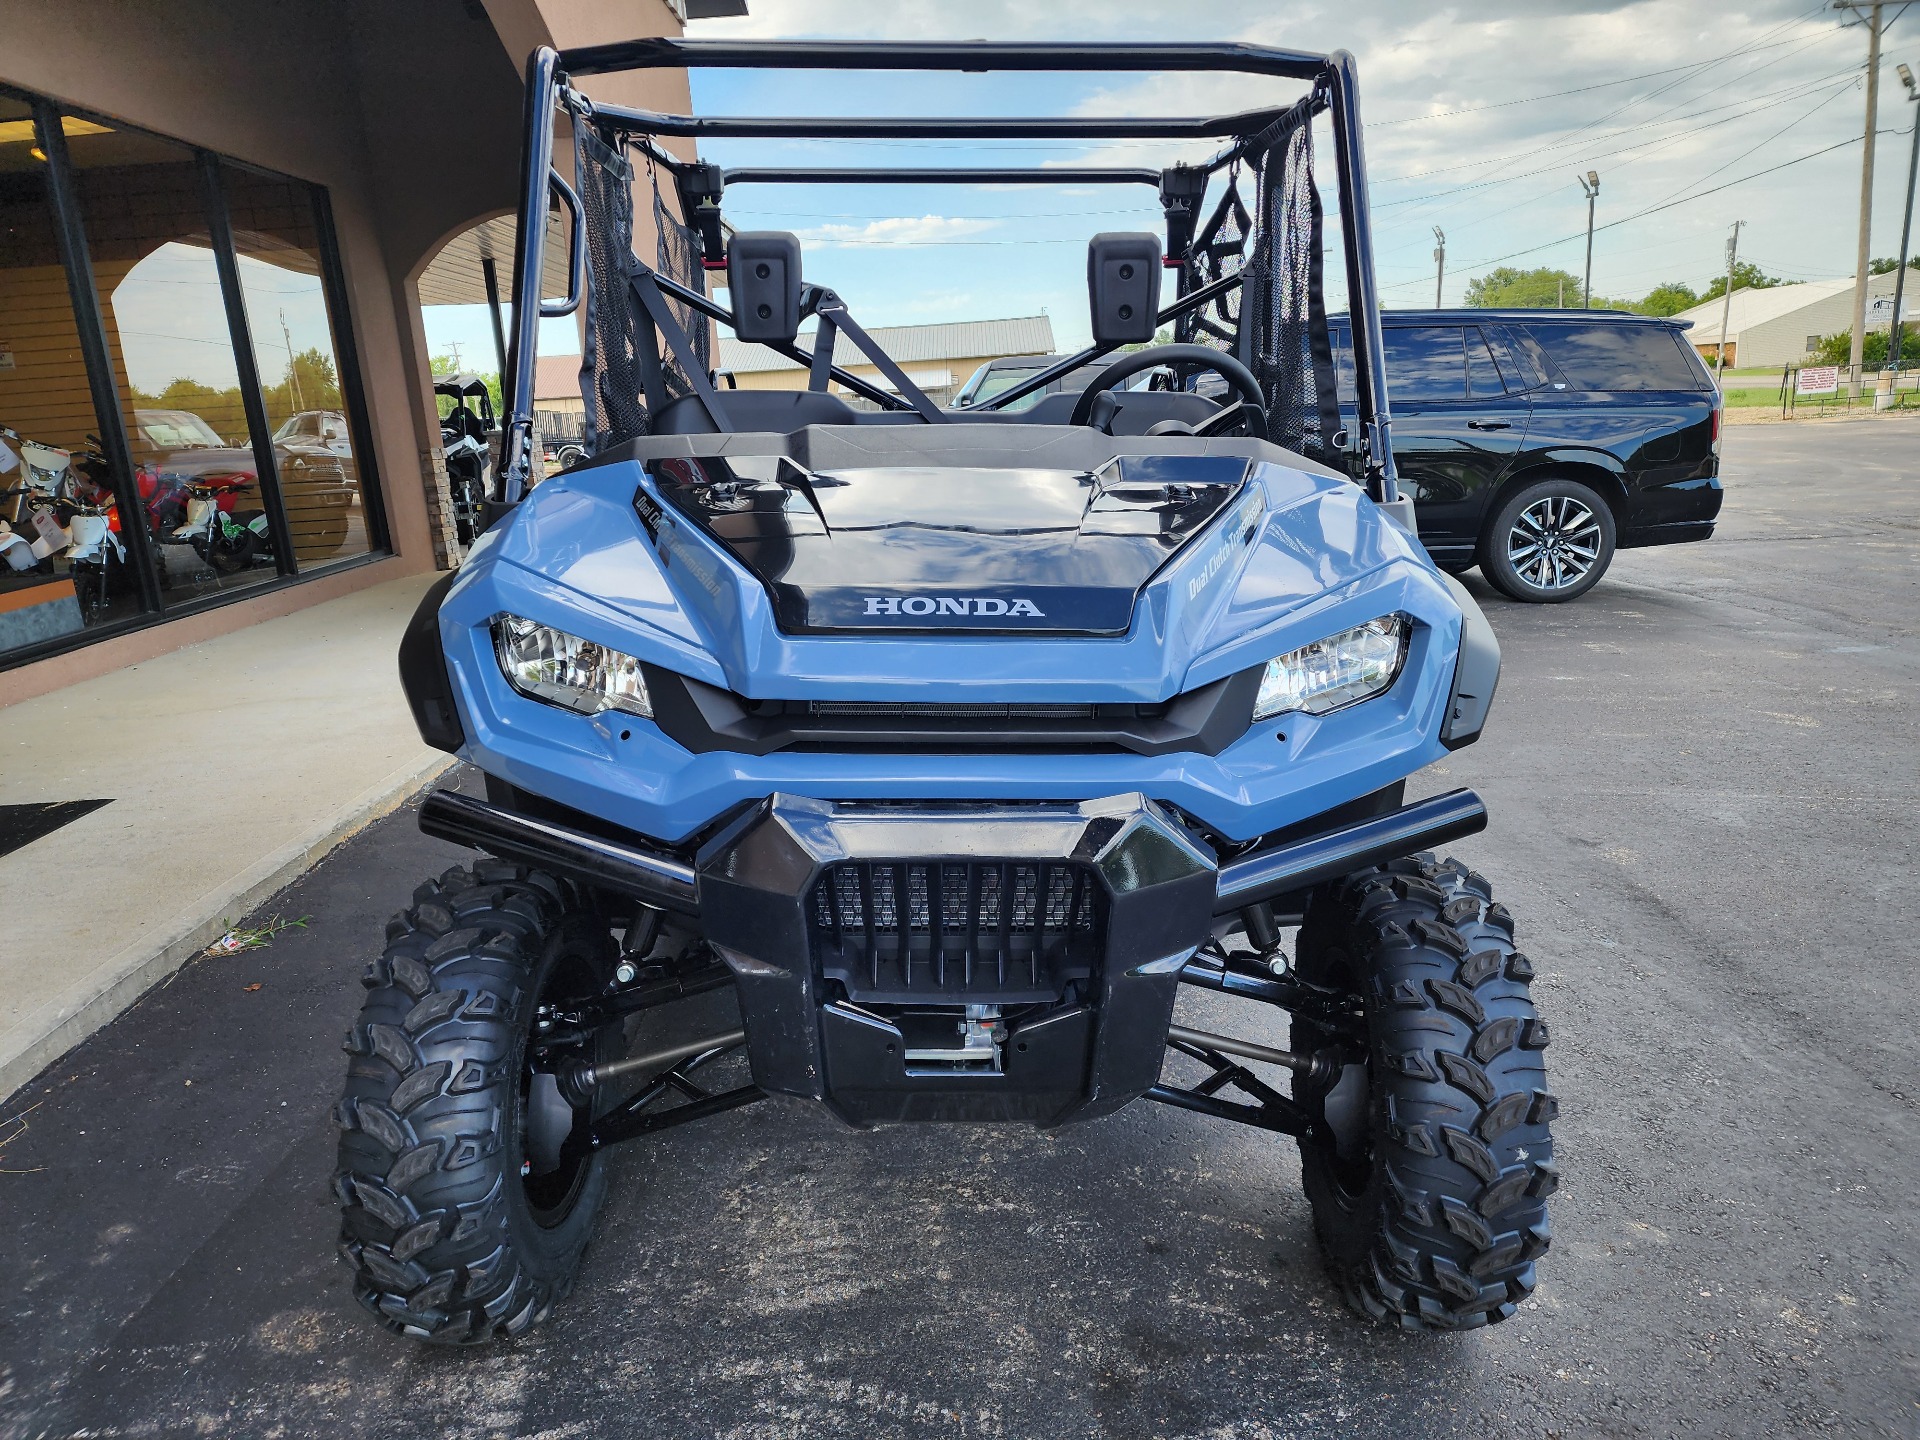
column 781, row 412
column 1139, row 412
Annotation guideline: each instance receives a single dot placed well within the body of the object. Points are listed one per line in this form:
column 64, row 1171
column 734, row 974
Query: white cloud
column 925, row 230
column 1455, row 127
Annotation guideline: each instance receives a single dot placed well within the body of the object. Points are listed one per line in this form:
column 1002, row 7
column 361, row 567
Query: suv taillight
column 1716, row 425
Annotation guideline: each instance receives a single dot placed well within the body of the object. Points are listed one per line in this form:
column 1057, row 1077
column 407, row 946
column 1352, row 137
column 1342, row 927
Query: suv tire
column 1429, row 1197
column 449, row 1237
column 1551, row 541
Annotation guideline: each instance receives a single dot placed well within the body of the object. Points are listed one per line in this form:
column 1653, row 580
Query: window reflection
column 1426, row 363
column 143, row 202
column 276, row 236
column 63, row 564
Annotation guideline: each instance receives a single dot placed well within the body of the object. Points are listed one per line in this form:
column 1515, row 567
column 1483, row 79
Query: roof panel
column 908, row 344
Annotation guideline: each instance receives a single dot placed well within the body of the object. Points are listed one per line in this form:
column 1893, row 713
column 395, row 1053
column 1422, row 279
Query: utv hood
column 941, row 548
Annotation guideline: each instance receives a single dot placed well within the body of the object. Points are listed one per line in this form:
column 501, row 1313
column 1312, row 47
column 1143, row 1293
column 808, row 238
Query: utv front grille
column 911, row 710
column 1005, row 931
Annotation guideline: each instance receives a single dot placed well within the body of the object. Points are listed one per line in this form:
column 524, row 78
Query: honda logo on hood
column 921, row 605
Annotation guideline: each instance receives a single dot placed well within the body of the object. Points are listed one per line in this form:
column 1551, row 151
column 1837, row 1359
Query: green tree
column 309, row 382
column 1887, row 265
column 1668, row 299
column 1746, row 276
column 221, row 409
column 446, row 365
column 1507, row 287
column 1837, row 349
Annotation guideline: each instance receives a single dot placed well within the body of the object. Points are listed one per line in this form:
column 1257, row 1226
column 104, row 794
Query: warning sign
column 1818, row 380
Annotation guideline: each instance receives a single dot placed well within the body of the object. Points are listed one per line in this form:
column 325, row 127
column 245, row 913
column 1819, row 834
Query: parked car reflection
column 176, row 449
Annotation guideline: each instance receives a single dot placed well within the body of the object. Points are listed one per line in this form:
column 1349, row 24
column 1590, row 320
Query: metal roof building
column 937, row 358
column 1781, row 325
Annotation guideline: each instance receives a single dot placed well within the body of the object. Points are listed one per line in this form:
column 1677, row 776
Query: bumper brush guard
column 1083, row 916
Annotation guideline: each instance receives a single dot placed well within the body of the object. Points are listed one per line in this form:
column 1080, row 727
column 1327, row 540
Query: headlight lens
column 1338, row 671
column 563, row 669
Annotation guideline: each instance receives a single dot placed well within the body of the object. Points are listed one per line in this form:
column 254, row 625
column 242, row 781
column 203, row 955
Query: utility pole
column 1864, row 253
column 1563, row 292
column 1591, row 185
column 1726, row 303
column 1440, row 265
column 1906, row 222
column 293, row 370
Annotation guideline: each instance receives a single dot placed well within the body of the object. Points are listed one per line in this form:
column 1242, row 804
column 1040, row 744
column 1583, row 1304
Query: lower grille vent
column 1016, row 931
column 909, row 710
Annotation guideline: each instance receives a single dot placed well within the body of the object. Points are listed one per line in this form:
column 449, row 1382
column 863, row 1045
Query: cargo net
column 620, row 344
column 1218, row 251
column 1276, row 322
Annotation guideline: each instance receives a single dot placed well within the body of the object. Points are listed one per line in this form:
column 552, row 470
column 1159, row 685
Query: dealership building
column 1784, row 324
column 217, row 223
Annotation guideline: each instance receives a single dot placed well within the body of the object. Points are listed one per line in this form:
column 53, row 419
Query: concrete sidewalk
column 231, row 766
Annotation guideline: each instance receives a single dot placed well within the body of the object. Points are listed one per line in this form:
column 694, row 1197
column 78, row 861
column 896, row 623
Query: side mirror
column 763, row 281
column 1123, row 284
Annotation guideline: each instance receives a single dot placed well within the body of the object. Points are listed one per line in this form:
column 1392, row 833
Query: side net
column 1276, row 323
column 621, row 350
column 1219, row 250
column 679, row 259
column 611, row 358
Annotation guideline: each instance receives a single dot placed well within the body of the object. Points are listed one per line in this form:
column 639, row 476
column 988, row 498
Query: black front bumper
column 854, row 931
column 836, row 919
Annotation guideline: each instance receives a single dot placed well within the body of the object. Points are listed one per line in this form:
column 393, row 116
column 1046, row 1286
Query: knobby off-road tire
column 446, row 1239
column 1435, row 1215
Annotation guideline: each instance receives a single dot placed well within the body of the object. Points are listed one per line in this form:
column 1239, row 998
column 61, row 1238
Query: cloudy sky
column 1479, row 116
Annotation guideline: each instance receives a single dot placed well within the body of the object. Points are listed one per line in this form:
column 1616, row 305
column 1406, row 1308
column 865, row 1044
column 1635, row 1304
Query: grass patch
column 240, row 938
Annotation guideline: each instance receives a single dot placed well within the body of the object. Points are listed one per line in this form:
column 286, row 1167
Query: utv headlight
column 1333, row 673
column 563, row 669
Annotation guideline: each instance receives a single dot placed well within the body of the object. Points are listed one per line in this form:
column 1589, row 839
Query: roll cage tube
column 548, row 87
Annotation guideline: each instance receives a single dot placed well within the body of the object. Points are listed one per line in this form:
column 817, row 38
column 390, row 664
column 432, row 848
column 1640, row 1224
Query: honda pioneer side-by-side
column 949, row 743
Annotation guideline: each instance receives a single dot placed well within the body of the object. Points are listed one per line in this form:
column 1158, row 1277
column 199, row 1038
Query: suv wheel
column 1551, row 541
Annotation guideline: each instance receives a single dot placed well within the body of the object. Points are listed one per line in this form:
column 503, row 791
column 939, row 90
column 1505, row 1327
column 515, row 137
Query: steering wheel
column 1251, row 405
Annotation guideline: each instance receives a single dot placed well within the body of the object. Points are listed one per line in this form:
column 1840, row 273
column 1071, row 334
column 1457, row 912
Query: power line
column 1656, row 209
column 1577, row 90
column 1797, row 86
column 1653, row 145
column 1736, row 53
column 1645, row 150
column 1755, row 105
column 1802, row 119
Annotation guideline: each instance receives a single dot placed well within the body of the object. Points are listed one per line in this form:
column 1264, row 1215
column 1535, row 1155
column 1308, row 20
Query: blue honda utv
column 949, row 744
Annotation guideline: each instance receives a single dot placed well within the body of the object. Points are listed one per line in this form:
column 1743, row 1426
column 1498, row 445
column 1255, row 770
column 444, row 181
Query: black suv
column 1536, row 442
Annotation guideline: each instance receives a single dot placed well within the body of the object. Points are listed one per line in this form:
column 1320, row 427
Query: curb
column 136, row 969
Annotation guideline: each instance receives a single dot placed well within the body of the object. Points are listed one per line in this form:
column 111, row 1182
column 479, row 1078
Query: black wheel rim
column 1343, row 1132
column 552, row 1196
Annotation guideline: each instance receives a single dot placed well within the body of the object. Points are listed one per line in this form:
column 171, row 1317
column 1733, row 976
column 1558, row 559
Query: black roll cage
column 1334, row 90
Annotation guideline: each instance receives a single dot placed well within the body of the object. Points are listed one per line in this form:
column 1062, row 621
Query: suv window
column 1483, row 375
column 1616, row 356
column 1426, row 362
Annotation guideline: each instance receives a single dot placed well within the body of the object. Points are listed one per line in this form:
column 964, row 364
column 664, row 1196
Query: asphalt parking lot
column 1704, row 785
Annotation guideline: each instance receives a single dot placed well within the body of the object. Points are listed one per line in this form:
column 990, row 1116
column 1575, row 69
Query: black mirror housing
column 1123, row 286
column 763, row 281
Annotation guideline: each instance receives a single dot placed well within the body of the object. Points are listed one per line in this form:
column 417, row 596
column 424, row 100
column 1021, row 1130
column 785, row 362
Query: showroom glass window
column 174, row 373
column 46, row 419
column 145, row 206
column 276, row 236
